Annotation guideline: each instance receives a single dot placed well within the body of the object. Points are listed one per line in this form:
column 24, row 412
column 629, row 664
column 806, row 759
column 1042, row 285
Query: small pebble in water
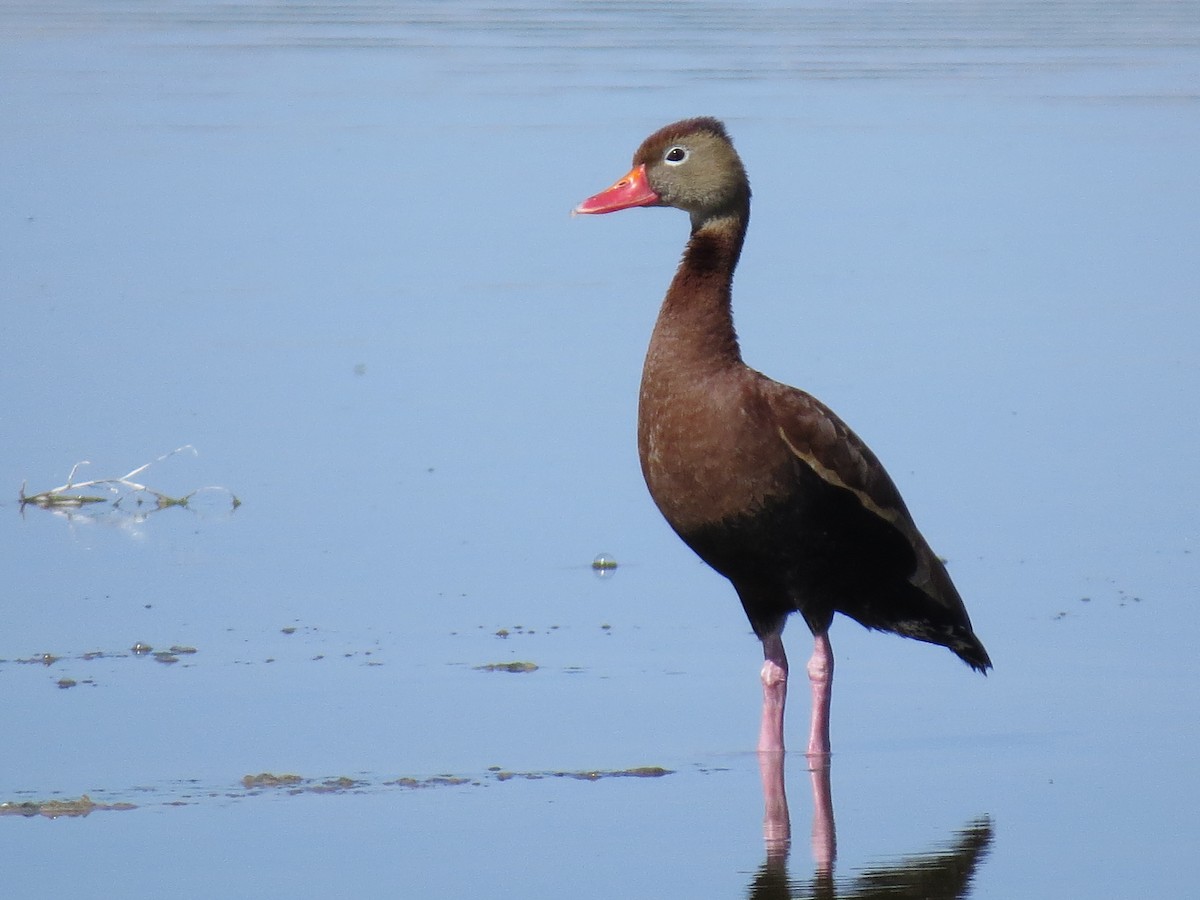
column 604, row 563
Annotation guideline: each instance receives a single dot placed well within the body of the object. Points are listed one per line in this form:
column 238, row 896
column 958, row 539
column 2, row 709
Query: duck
column 765, row 483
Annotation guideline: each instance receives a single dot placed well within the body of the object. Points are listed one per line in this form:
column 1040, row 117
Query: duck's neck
column 695, row 325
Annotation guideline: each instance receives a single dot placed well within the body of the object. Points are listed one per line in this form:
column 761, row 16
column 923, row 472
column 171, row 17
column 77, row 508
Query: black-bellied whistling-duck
column 763, row 481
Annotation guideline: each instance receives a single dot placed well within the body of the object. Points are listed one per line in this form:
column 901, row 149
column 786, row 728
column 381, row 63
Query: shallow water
column 328, row 246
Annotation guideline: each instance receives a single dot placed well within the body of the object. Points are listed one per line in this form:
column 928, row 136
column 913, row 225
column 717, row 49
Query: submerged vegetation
column 264, row 783
column 518, row 667
column 138, row 650
column 53, row 809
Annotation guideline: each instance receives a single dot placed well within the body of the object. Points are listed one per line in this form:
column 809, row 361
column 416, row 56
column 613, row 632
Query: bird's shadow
column 943, row 872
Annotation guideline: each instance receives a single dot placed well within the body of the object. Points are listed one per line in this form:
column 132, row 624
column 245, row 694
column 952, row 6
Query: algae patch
column 290, row 784
column 508, row 667
column 501, row 775
column 435, row 781
column 54, row 809
column 295, row 784
column 270, row 780
column 586, row 774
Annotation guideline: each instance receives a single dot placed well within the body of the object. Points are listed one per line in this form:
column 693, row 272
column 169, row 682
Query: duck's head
column 690, row 165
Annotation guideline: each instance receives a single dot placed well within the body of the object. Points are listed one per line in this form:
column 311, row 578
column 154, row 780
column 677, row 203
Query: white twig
column 55, row 497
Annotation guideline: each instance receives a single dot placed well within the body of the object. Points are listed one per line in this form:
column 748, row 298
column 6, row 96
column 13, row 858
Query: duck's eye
column 676, row 155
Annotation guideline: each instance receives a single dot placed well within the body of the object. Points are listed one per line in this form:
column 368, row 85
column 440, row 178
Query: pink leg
column 820, row 673
column 777, row 824
column 774, row 680
column 824, row 834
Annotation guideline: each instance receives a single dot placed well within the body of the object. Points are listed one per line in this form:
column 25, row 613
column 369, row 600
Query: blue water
column 328, row 246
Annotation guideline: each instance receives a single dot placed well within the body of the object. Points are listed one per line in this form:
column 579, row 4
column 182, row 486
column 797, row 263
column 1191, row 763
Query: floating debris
column 500, row 774
column 42, row 659
column 585, row 774
column 335, row 785
column 53, row 809
column 268, row 780
column 120, row 489
column 294, row 784
column 138, row 649
column 519, row 629
column 435, row 781
column 508, row 667
column 290, row 784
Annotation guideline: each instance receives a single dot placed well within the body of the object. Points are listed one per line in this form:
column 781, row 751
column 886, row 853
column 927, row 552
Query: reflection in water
column 942, row 873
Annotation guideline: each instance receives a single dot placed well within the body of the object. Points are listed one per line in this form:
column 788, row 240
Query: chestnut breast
column 709, row 447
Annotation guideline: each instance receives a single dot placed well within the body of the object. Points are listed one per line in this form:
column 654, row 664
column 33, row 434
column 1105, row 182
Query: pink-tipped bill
column 632, row 190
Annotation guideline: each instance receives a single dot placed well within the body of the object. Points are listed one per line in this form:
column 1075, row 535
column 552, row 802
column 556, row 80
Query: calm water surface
column 327, row 245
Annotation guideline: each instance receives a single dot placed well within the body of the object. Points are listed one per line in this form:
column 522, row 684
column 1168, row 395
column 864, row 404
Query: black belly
column 816, row 550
